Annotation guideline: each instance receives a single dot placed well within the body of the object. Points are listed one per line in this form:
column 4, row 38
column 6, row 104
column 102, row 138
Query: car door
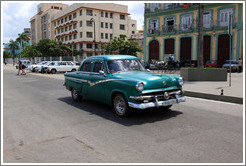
column 97, row 81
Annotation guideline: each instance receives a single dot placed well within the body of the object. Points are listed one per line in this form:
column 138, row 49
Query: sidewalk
column 212, row 89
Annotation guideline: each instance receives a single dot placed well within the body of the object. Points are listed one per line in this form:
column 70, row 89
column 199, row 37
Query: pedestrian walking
column 19, row 67
column 240, row 65
column 23, row 70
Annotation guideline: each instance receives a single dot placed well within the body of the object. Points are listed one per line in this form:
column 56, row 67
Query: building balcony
column 170, row 7
column 188, row 28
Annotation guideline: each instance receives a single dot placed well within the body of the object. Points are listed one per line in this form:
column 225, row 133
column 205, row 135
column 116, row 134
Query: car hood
column 150, row 80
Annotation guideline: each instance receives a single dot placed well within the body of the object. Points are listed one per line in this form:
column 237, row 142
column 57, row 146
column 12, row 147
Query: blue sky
column 16, row 15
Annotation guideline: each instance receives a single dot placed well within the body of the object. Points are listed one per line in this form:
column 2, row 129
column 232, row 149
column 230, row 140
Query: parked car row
column 50, row 66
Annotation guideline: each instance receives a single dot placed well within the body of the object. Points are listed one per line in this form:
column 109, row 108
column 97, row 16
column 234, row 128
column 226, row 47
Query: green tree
column 22, row 39
column 30, row 52
column 122, row 47
column 13, row 46
column 6, row 54
column 51, row 48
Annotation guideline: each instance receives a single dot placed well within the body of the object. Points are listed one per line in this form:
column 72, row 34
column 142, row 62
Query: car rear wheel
column 75, row 95
column 53, row 71
column 121, row 107
column 73, row 70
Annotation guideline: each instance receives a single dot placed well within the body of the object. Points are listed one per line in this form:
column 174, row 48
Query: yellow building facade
column 173, row 29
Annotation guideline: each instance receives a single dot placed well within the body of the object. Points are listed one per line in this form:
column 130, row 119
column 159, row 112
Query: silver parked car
column 234, row 65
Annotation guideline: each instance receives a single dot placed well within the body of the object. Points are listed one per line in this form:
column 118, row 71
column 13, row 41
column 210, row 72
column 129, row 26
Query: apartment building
column 86, row 26
column 41, row 26
column 82, row 26
column 172, row 28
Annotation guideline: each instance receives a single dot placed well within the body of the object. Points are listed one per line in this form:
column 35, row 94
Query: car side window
column 86, row 67
column 98, row 66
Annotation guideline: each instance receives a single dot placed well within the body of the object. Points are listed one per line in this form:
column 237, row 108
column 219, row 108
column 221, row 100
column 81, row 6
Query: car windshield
column 124, row 65
column 232, row 62
column 211, row 62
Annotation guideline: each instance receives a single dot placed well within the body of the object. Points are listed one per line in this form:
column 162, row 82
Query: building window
column 102, row 15
column 101, row 24
column 74, row 46
column 106, row 14
column 62, row 30
column 111, row 25
column 154, row 25
column 122, row 36
column 81, row 34
column 70, row 27
column 207, row 19
column 70, row 17
column 186, row 22
column 81, row 45
column 122, row 17
column 111, row 36
column 74, row 26
column 101, row 35
column 133, row 25
column 80, row 24
column 88, row 45
column 58, row 23
column 169, row 24
column 122, row 27
column 106, row 25
column 58, row 31
column 74, row 15
column 65, row 38
column 224, row 16
column 54, row 23
column 65, row 29
column 80, row 12
column 61, row 20
column 111, row 15
column 89, row 23
column 106, row 36
column 154, row 6
column 89, row 34
column 65, row 19
column 133, row 32
column 89, row 12
column 70, row 37
column 75, row 36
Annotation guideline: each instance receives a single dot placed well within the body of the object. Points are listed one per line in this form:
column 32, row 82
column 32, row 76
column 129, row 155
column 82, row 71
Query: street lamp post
column 93, row 20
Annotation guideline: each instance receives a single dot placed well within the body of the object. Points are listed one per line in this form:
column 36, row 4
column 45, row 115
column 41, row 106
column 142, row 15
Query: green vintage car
column 122, row 82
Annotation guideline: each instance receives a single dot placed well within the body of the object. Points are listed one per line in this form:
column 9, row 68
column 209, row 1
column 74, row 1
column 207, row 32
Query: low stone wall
column 203, row 74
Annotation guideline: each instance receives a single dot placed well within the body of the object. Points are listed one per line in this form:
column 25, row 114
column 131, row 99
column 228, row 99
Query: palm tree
column 14, row 46
column 22, row 39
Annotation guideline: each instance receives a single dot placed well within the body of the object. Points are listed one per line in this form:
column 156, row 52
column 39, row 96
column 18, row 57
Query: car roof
column 110, row 57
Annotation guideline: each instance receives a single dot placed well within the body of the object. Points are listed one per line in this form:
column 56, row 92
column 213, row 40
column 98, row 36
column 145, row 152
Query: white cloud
column 24, row 11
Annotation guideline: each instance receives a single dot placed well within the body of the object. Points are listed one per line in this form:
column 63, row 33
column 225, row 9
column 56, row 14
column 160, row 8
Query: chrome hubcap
column 75, row 95
column 120, row 105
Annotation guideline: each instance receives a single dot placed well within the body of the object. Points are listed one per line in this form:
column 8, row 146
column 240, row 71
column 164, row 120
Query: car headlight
column 140, row 86
column 181, row 81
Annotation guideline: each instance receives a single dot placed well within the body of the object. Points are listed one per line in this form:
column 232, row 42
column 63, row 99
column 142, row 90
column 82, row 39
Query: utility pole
column 200, row 36
column 230, row 34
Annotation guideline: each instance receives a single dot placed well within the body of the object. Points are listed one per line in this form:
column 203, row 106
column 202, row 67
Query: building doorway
column 223, row 49
column 206, row 48
column 154, row 50
column 185, row 49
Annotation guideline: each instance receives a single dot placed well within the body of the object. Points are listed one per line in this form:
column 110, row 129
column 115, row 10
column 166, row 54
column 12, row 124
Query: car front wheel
column 53, row 71
column 75, row 95
column 121, row 106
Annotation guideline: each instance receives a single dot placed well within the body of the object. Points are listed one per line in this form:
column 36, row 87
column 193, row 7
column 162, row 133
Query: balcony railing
column 193, row 27
column 169, row 7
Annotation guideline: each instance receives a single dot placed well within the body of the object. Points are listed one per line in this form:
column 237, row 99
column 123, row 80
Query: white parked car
column 24, row 62
column 38, row 66
column 61, row 66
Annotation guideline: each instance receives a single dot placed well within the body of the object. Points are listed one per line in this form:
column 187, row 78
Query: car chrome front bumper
column 157, row 103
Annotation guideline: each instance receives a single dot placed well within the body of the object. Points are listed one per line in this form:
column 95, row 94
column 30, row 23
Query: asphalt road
column 42, row 124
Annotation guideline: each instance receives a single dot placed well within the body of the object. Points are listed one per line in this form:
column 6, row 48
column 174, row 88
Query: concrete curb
column 237, row 100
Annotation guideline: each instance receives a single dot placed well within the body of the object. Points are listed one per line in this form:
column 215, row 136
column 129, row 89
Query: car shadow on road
column 137, row 117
